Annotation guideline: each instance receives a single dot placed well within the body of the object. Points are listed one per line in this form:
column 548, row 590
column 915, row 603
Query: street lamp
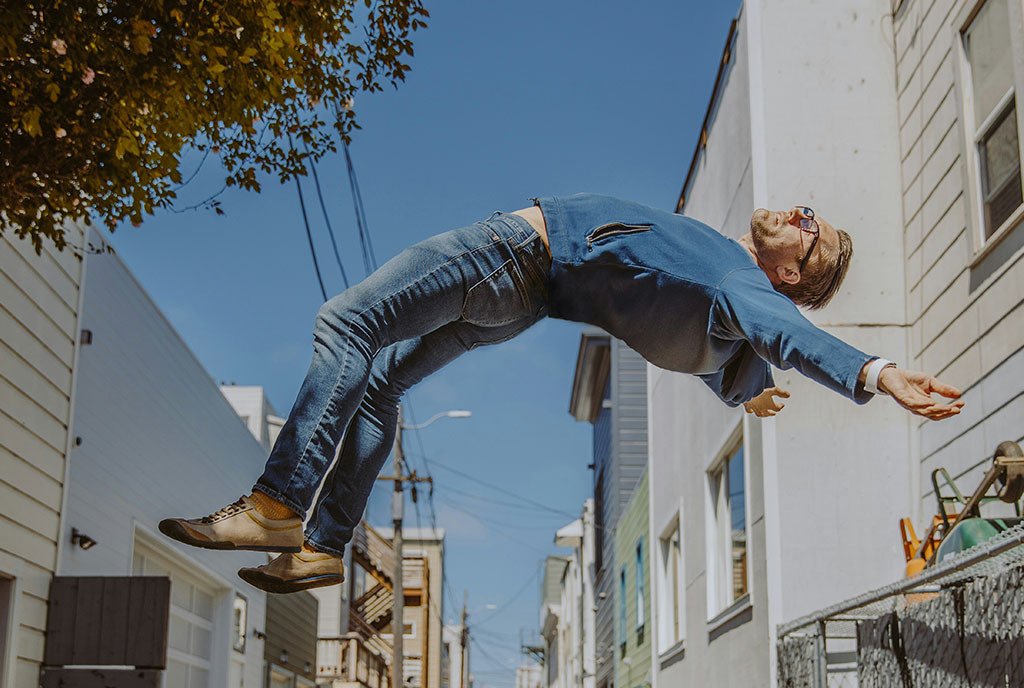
column 397, row 513
column 443, row 414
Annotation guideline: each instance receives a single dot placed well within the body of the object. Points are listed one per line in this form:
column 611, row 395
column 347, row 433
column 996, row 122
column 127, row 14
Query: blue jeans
column 436, row 300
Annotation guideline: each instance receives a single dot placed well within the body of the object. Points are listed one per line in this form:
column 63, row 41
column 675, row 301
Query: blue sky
column 504, row 101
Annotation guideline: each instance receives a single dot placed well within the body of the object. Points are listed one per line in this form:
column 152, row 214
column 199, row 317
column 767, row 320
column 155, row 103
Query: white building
column 252, row 406
column 40, row 301
column 455, row 654
column 529, row 676
column 155, row 438
column 757, row 522
column 889, row 121
column 568, row 626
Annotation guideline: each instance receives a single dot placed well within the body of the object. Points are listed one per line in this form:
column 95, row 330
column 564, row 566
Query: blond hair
column 822, row 278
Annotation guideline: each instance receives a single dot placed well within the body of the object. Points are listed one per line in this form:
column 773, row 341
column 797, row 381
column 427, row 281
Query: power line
column 369, row 259
column 327, row 220
column 510, row 600
column 539, row 505
column 309, row 234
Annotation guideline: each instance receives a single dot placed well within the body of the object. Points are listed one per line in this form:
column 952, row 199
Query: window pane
column 1000, row 171
column 738, row 524
column 176, row 675
column 200, row 678
column 987, row 43
column 203, row 604
column 675, row 573
column 622, row 606
column 200, row 642
column 640, row 619
column 178, row 633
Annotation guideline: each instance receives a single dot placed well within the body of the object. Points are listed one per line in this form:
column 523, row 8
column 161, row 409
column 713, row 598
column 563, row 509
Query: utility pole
column 398, row 606
column 465, row 641
column 397, row 513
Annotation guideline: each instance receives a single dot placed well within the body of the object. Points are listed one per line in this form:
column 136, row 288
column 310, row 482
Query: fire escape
column 362, row 657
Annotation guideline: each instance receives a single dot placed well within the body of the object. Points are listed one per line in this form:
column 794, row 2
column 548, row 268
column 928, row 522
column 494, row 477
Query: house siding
column 39, row 304
column 158, row 439
column 620, row 456
column 632, row 529
column 966, row 328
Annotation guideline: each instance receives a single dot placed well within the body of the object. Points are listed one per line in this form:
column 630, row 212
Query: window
column 238, row 623
column 729, row 517
column 672, row 624
column 599, row 521
column 408, row 630
column 640, row 611
column 989, row 86
column 622, row 611
column 7, row 592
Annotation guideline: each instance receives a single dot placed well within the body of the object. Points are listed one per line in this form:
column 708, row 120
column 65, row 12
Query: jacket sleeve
column 741, row 379
column 746, row 309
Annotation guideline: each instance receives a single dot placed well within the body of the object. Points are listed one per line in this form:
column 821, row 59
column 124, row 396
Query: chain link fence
column 957, row 625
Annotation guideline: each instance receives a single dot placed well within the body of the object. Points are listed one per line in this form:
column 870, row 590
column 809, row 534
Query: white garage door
column 190, row 631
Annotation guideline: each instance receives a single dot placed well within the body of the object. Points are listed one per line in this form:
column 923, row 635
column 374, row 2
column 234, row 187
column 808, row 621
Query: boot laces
column 229, row 510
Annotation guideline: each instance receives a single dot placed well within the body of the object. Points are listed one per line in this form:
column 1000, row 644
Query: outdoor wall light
column 81, row 539
column 284, row 656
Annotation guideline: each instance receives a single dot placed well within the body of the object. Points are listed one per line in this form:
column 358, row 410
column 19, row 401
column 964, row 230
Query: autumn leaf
column 179, row 75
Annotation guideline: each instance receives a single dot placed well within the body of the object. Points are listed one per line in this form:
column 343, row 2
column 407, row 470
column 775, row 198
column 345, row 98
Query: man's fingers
column 781, row 393
column 948, row 391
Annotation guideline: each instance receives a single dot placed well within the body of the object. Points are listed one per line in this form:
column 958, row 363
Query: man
column 679, row 293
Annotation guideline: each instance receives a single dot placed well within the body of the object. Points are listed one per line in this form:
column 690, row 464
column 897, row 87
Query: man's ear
column 787, row 275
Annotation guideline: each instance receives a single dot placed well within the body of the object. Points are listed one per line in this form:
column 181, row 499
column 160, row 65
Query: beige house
column 959, row 70
column 423, row 584
column 40, row 301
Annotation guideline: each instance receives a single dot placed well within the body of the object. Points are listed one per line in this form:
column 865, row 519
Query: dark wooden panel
column 148, row 615
column 99, row 678
column 88, row 621
column 114, row 620
column 60, row 621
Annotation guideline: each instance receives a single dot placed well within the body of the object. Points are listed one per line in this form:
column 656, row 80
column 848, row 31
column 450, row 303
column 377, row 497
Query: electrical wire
column 327, row 220
column 369, row 259
column 532, row 502
column 309, row 234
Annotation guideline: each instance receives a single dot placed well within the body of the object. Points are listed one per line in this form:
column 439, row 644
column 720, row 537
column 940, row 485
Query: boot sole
column 174, row 530
column 271, row 584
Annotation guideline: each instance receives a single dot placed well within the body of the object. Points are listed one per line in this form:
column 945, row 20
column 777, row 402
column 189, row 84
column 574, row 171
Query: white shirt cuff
column 874, row 370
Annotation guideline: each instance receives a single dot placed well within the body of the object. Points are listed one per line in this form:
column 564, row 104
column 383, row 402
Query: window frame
column 623, row 615
column 671, row 589
column 639, row 590
column 722, row 608
column 12, row 570
column 972, row 132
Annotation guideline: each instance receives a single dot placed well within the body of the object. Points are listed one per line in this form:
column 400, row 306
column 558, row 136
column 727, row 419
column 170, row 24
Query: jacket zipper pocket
column 613, row 229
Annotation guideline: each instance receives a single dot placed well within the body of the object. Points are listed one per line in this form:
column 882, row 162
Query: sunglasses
column 810, row 225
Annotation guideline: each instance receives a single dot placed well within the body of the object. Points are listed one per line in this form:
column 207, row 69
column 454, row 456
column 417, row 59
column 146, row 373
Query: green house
column 633, row 627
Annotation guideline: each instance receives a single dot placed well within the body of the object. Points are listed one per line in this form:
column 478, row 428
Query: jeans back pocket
column 497, row 299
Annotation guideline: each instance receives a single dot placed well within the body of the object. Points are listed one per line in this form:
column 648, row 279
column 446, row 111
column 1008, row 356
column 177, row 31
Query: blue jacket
column 684, row 297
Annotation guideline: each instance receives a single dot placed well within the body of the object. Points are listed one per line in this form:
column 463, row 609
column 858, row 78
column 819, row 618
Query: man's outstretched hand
column 912, row 390
column 764, row 404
